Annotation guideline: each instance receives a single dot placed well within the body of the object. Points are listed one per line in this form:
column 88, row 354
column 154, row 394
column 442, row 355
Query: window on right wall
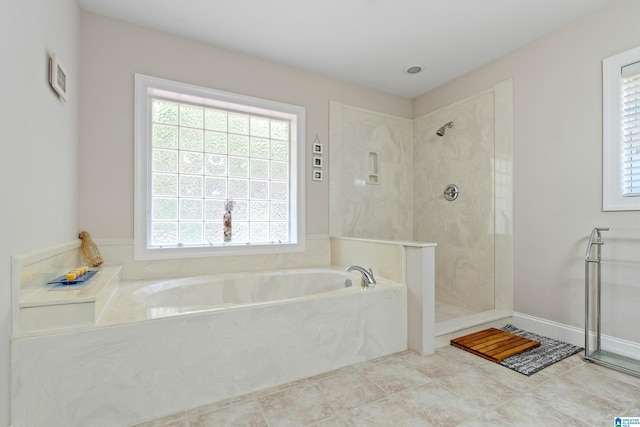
column 621, row 131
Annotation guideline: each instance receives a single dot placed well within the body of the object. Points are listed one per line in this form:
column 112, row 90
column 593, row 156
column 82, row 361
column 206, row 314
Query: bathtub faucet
column 367, row 276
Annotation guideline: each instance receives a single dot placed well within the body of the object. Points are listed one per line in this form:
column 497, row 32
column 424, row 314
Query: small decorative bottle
column 90, row 249
column 228, row 207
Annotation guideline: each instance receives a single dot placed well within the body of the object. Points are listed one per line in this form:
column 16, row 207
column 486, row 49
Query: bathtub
column 164, row 346
column 230, row 291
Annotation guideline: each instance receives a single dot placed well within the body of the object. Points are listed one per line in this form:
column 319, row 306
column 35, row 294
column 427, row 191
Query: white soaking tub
column 241, row 289
column 164, row 346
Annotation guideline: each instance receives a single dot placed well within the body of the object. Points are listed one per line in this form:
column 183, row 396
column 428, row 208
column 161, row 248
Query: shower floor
column 446, row 312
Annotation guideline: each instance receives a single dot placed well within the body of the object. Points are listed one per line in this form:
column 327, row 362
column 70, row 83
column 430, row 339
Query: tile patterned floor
column 449, row 388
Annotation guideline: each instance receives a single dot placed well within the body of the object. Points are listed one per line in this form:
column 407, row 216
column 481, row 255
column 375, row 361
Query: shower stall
column 449, row 184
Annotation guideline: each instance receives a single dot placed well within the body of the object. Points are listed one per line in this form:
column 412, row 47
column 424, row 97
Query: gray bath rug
column 536, row 359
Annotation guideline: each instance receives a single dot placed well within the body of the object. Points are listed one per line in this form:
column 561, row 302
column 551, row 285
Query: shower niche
column 373, row 176
column 419, row 158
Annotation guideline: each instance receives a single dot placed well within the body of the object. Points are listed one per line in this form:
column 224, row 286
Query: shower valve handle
column 451, row 192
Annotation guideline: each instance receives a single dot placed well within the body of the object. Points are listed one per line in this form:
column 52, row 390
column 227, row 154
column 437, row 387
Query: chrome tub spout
column 367, row 276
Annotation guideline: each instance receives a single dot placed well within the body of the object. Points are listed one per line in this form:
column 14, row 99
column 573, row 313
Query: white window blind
column 630, row 130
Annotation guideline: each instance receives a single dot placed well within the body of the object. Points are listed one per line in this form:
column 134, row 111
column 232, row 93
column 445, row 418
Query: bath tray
column 62, row 280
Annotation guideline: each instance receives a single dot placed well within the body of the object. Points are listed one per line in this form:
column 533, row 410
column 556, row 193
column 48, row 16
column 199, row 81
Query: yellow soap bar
column 71, row 276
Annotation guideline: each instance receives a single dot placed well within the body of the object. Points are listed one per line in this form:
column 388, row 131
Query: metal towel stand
column 598, row 355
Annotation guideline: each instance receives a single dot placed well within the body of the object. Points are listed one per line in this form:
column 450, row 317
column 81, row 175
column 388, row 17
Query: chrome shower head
column 443, row 129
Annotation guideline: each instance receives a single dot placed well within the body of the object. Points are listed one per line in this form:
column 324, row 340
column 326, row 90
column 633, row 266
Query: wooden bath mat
column 494, row 344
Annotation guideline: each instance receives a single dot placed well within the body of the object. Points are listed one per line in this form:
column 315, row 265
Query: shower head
column 443, row 129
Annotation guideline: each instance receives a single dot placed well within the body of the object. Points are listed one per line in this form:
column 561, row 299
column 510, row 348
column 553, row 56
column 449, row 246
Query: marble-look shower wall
column 371, row 174
column 464, row 228
column 474, row 234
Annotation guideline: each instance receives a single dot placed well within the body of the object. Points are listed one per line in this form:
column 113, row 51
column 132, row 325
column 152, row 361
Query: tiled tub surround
column 117, row 374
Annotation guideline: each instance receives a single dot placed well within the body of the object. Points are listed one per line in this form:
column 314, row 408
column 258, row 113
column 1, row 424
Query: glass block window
column 202, row 159
column 205, row 154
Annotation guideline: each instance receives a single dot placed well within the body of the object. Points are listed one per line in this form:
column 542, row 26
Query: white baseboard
column 574, row 335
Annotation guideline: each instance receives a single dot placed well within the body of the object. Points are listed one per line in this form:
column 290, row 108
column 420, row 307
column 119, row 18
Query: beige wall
column 557, row 157
column 39, row 173
column 112, row 51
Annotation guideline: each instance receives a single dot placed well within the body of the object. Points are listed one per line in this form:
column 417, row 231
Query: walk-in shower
column 474, row 233
column 473, row 265
column 443, row 129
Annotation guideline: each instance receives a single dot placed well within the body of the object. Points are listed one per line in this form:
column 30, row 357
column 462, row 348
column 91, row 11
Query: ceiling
column 370, row 42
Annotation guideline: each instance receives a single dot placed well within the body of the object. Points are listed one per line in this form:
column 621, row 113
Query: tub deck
column 45, row 309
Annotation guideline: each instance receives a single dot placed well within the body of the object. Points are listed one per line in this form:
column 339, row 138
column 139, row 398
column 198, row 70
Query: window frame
column 613, row 199
column 145, row 87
